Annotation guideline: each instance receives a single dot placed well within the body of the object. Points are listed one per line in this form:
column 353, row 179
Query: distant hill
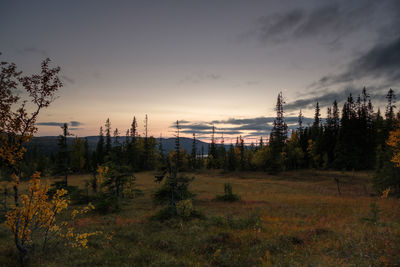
column 48, row 144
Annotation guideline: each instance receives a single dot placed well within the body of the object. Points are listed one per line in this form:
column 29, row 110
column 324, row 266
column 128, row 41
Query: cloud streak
column 73, row 124
column 248, row 127
column 330, row 22
column 32, row 50
column 200, row 78
column 379, row 67
column 380, row 62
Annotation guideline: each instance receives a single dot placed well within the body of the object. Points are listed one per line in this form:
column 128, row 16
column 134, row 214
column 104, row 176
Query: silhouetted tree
column 278, row 135
column 63, row 155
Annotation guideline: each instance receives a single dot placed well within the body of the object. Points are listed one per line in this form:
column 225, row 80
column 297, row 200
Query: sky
column 203, row 63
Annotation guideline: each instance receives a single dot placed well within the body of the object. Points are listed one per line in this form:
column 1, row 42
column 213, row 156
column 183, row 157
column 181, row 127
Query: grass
column 290, row 219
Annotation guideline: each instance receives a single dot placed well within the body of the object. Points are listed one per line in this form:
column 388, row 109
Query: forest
column 328, row 190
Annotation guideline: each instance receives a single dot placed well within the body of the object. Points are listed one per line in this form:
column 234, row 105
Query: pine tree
column 178, row 160
column 131, row 149
column 100, row 148
column 161, row 151
column 116, row 137
column 261, row 143
column 242, row 156
column 88, row 164
column 108, row 138
column 63, row 155
column 231, row 158
column 300, row 122
column 212, row 151
column 78, row 155
column 278, row 135
column 193, row 154
column 317, row 117
column 389, row 114
column 146, row 152
column 133, row 130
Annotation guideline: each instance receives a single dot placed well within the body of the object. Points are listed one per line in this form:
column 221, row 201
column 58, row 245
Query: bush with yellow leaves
column 34, row 220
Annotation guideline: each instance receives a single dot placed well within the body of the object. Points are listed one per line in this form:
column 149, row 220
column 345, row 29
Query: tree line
column 351, row 137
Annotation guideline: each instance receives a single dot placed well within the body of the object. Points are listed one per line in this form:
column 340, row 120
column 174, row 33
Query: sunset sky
column 202, row 62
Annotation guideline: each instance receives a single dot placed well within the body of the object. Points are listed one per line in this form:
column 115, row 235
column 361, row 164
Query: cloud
column 32, row 50
column 380, row 62
column 378, row 97
column 256, row 121
column 377, row 68
column 199, row 78
column 67, row 79
column 50, row 124
column 208, row 133
column 73, row 124
column 259, row 126
column 330, row 22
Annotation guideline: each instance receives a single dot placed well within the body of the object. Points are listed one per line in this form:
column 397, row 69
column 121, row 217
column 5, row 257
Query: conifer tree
column 78, row 159
column 100, row 148
column 317, row 115
column 146, row 154
column 132, row 145
column 278, row 135
column 116, row 137
column 108, row 137
column 88, row 164
column 242, row 154
column 63, row 155
column 231, row 158
column 300, row 122
column 193, row 160
column 212, row 151
column 389, row 114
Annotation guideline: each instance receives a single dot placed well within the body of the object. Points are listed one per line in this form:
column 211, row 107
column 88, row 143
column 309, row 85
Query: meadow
column 295, row 218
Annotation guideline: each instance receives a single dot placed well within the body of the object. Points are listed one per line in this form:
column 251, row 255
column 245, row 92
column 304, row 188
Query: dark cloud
column 378, row 96
column 208, row 133
column 255, row 121
column 50, row 124
column 60, row 124
column 75, row 128
column 380, row 62
column 331, row 22
column 379, row 66
column 260, row 126
column 75, row 123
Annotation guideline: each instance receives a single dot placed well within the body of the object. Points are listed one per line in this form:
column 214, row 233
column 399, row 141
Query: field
column 291, row 219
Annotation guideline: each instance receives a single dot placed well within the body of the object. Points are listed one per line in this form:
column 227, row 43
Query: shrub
column 178, row 187
column 228, row 194
column 106, row 203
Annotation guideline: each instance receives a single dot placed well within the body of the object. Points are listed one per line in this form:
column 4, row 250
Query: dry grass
column 293, row 219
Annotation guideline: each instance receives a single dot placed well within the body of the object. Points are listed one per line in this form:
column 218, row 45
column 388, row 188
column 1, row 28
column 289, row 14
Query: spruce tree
column 212, row 151
column 116, row 137
column 193, row 154
column 146, row 152
column 132, row 145
column 63, row 155
column 389, row 114
column 108, row 138
column 278, row 135
column 100, row 148
column 88, row 163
